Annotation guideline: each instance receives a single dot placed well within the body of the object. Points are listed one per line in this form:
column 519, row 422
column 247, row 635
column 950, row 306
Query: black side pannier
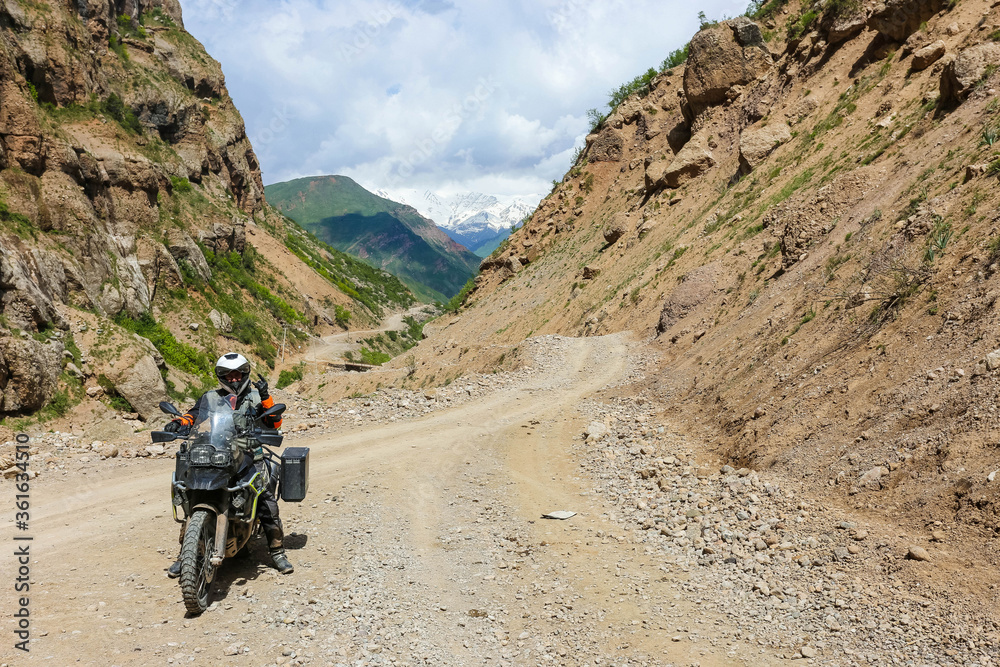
column 294, row 474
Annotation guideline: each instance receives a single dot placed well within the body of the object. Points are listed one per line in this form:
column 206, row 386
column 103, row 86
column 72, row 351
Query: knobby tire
column 196, row 569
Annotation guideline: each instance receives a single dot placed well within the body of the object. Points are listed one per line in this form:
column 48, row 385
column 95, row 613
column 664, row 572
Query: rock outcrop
column 692, row 161
column 136, row 377
column 898, row 19
column 722, row 58
column 688, row 295
column 969, row 67
column 29, row 373
column 757, row 143
column 928, row 55
column 98, row 147
column 605, row 146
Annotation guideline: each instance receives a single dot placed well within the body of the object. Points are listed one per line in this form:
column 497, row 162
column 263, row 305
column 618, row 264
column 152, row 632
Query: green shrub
column 596, row 119
column 120, row 404
column 181, row 185
column 675, row 58
column 127, row 28
column 341, row 315
column 175, row 353
column 374, row 357
column 800, row 27
column 637, row 86
column 59, row 405
column 762, row 9
column 287, row 377
column 21, row 224
column 115, row 44
column 456, row 301
column 114, row 106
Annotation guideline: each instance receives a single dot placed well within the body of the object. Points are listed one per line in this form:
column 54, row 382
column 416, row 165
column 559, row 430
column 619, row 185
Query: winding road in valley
column 421, row 542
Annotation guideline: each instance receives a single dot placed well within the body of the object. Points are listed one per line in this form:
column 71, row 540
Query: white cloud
column 448, row 96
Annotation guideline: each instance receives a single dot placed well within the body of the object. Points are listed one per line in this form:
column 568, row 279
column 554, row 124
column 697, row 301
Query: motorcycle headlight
column 201, row 456
column 220, row 458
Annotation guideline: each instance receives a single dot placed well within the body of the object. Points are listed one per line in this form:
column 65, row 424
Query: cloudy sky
column 449, row 96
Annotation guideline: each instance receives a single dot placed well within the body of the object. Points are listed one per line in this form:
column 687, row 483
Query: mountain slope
column 135, row 242
column 802, row 222
column 387, row 234
column 479, row 222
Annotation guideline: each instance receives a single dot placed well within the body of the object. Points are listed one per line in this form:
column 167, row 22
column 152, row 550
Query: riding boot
column 275, row 543
column 280, row 561
column 174, row 570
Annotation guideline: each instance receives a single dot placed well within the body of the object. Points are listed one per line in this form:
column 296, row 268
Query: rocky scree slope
column 131, row 203
column 802, row 220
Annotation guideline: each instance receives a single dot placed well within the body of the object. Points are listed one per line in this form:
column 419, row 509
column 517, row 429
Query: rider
column 233, row 372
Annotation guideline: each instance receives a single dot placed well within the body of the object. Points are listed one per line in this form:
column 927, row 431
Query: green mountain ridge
column 384, row 233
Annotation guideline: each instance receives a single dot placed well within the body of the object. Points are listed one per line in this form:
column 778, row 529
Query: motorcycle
column 216, row 487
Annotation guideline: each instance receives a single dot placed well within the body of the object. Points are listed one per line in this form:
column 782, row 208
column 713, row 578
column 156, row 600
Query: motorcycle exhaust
column 221, row 527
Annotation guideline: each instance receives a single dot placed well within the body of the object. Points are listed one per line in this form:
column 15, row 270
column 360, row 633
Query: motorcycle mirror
column 169, row 408
column 163, row 436
column 274, row 410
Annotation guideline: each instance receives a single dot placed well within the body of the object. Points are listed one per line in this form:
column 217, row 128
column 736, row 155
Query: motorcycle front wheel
column 197, row 571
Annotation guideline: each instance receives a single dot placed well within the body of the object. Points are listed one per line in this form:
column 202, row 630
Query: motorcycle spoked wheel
column 197, row 571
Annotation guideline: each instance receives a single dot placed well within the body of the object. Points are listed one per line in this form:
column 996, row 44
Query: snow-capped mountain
column 477, row 221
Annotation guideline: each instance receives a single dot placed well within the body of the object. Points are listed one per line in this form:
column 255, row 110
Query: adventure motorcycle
column 216, row 486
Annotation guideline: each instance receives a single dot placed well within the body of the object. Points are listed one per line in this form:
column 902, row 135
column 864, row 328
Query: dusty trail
column 420, row 542
column 333, row 347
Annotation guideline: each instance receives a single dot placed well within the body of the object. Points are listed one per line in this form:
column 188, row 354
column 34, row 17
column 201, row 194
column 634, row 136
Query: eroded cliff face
column 109, row 112
column 801, row 221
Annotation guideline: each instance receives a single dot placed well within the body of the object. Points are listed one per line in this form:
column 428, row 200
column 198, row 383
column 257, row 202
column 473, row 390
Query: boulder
column 617, row 229
column 29, row 373
column 898, row 19
column 722, row 57
column 692, row 161
column 688, row 295
column 873, row 478
column 490, row 263
column 595, row 431
column 23, row 297
column 927, row 56
column 961, row 74
column 137, row 379
column 183, row 249
column 221, row 321
column 225, row 238
column 606, row 145
column 993, row 360
column 757, row 143
column 842, row 27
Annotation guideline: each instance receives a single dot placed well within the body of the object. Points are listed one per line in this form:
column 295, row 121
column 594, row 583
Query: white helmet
column 226, row 368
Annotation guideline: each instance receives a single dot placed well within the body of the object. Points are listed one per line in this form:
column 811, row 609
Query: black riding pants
column 267, row 510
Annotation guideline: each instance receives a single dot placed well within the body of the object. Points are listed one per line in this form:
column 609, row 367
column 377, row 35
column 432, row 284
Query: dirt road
column 421, row 542
column 334, row 346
